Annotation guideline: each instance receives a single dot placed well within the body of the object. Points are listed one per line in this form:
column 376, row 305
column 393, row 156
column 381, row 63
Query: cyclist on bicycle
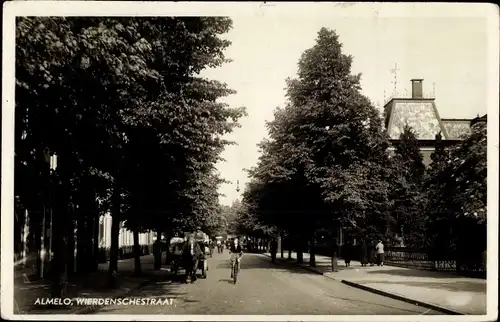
column 236, row 252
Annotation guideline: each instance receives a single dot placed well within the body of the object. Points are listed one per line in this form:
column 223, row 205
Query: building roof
column 420, row 114
column 457, row 128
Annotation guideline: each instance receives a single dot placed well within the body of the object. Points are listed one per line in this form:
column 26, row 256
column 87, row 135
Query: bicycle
column 235, row 268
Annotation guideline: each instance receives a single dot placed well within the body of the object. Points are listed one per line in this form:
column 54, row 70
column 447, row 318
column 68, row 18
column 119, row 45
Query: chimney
column 416, row 88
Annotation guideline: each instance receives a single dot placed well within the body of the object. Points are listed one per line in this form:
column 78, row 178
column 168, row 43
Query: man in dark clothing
column 371, row 253
column 347, row 253
column 274, row 249
column 235, row 253
column 191, row 254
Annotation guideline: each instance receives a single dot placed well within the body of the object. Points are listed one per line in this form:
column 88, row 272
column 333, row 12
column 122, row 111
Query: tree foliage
column 324, row 163
column 121, row 103
column 456, row 189
column 408, row 171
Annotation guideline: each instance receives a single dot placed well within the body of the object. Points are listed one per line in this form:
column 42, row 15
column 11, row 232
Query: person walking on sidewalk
column 380, row 253
column 371, row 253
column 347, row 253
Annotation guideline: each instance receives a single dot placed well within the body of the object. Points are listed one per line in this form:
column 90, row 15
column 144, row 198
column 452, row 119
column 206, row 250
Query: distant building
column 421, row 114
column 125, row 237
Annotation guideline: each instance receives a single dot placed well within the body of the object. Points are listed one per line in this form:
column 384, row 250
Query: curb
column 93, row 308
column 401, row 298
column 379, row 292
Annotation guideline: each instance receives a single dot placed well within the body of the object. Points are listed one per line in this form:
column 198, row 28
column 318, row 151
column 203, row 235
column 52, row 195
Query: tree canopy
column 324, row 163
column 121, row 102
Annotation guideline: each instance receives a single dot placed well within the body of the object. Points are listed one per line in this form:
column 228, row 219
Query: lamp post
column 53, row 168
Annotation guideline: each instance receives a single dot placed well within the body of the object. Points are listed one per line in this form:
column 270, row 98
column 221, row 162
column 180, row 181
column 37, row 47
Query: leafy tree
column 324, row 164
column 457, row 199
column 437, row 229
column 407, row 190
column 104, row 85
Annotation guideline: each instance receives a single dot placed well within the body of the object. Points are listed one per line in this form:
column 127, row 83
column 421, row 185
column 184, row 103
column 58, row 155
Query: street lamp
column 237, row 185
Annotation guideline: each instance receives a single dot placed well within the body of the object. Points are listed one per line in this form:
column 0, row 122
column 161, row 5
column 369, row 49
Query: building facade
column 421, row 114
column 126, row 237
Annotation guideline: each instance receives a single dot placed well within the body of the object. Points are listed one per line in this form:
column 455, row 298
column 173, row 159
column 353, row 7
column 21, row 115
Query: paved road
column 264, row 288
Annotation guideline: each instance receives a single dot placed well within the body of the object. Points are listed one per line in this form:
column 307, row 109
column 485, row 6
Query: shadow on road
column 228, row 280
column 255, row 261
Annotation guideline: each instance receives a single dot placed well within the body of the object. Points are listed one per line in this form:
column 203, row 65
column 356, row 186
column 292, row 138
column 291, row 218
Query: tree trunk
column 113, row 252
column 59, row 243
column 167, row 258
column 115, row 232
column 81, row 253
column 300, row 253
column 38, row 246
column 18, row 224
column 334, row 256
column 94, row 222
column 46, row 242
column 84, row 241
column 157, row 252
column 289, row 245
column 282, row 248
column 71, row 245
column 137, row 253
column 312, row 253
column 84, row 237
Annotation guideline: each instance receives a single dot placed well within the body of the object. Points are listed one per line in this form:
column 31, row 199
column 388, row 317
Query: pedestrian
column 190, row 254
column 364, row 253
column 219, row 246
column 347, row 253
column 371, row 253
column 380, row 253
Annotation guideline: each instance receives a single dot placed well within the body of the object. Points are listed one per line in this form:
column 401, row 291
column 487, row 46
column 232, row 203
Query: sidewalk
column 93, row 285
column 447, row 292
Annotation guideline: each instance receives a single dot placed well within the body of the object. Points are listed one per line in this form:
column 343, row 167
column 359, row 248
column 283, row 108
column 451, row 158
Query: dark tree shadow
column 263, row 262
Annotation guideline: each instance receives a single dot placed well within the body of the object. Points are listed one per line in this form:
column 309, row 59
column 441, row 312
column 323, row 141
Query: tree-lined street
column 328, row 167
column 264, row 288
column 114, row 118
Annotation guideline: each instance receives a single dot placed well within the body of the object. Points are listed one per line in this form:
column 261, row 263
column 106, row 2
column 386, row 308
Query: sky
column 448, row 52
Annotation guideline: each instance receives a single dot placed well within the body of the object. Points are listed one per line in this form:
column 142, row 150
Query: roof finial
column 395, row 81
